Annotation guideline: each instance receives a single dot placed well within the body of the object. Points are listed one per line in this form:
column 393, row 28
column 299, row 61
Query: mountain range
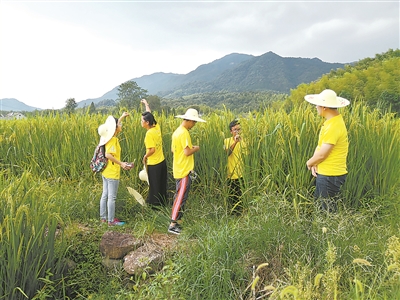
column 11, row 104
column 232, row 73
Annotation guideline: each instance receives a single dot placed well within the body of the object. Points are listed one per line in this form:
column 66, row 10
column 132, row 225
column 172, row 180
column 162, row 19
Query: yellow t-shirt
column 182, row 164
column 113, row 170
column 334, row 132
column 235, row 160
column 153, row 139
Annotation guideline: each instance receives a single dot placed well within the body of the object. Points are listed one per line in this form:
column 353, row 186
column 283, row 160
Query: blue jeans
column 107, row 200
column 327, row 190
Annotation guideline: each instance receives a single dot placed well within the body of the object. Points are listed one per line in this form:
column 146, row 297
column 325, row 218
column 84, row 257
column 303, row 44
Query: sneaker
column 116, row 222
column 175, row 229
column 103, row 221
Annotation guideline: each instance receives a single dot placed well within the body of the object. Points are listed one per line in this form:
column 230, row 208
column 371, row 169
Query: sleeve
column 187, row 141
column 111, row 147
column 149, row 141
column 226, row 144
column 331, row 136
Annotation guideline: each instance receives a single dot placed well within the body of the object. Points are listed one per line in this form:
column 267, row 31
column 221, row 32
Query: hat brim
column 139, row 198
column 316, row 99
column 104, row 140
column 190, row 118
column 109, row 127
column 143, row 176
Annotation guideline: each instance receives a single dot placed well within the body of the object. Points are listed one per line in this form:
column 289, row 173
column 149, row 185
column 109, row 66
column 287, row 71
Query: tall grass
column 279, row 144
column 373, row 154
column 46, row 180
column 31, row 247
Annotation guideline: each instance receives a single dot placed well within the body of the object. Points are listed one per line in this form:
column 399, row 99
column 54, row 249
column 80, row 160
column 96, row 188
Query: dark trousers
column 235, row 194
column 328, row 191
column 158, row 184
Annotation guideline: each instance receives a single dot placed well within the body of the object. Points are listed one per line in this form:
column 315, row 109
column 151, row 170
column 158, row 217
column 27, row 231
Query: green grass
column 46, row 185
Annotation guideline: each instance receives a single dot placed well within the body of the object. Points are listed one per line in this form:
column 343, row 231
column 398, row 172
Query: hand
column 144, row 101
column 237, row 138
column 124, row 114
column 144, row 160
column 126, row 166
column 313, row 169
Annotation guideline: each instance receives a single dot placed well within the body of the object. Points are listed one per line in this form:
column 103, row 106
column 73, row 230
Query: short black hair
column 233, row 124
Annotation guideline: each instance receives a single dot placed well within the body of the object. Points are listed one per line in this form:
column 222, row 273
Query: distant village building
column 13, row 116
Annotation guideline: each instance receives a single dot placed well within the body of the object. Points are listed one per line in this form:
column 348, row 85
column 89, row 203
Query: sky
column 51, row 51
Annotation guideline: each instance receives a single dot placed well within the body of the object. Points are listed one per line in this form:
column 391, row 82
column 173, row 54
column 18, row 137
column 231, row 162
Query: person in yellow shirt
column 328, row 163
column 154, row 160
column 183, row 164
column 234, row 147
column 111, row 174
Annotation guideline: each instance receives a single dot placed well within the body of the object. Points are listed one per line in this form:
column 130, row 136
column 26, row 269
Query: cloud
column 55, row 58
column 60, row 50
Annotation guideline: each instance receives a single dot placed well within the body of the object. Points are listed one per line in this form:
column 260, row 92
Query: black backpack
column 99, row 159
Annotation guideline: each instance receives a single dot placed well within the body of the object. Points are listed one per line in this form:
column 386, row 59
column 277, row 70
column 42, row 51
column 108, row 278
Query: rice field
column 282, row 247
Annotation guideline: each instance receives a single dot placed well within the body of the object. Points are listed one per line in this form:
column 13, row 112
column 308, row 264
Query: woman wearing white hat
column 328, row 164
column 183, row 164
column 111, row 174
column 155, row 171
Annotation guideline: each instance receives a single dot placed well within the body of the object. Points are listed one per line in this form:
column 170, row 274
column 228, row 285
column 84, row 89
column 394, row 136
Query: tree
column 154, row 102
column 106, row 102
column 70, row 105
column 130, row 94
column 92, row 108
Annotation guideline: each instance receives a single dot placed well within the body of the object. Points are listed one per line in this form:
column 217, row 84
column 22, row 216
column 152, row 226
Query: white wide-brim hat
column 139, row 198
column 107, row 130
column 143, row 176
column 192, row 115
column 327, row 98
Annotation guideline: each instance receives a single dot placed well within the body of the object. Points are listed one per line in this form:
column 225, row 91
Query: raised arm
column 146, row 104
column 124, row 115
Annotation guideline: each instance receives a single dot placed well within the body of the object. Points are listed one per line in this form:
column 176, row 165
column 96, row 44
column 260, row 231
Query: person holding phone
column 235, row 148
column 111, row 174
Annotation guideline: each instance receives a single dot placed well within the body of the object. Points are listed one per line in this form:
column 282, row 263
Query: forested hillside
column 376, row 81
column 237, row 101
column 267, row 72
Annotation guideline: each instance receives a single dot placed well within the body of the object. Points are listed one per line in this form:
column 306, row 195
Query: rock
column 115, row 245
column 148, row 257
column 68, row 266
column 112, row 264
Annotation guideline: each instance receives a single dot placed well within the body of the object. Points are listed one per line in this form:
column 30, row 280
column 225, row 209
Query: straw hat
column 327, row 98
column 139, row 198
column 192, row 115
column 107, row 130
column 143, row 176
